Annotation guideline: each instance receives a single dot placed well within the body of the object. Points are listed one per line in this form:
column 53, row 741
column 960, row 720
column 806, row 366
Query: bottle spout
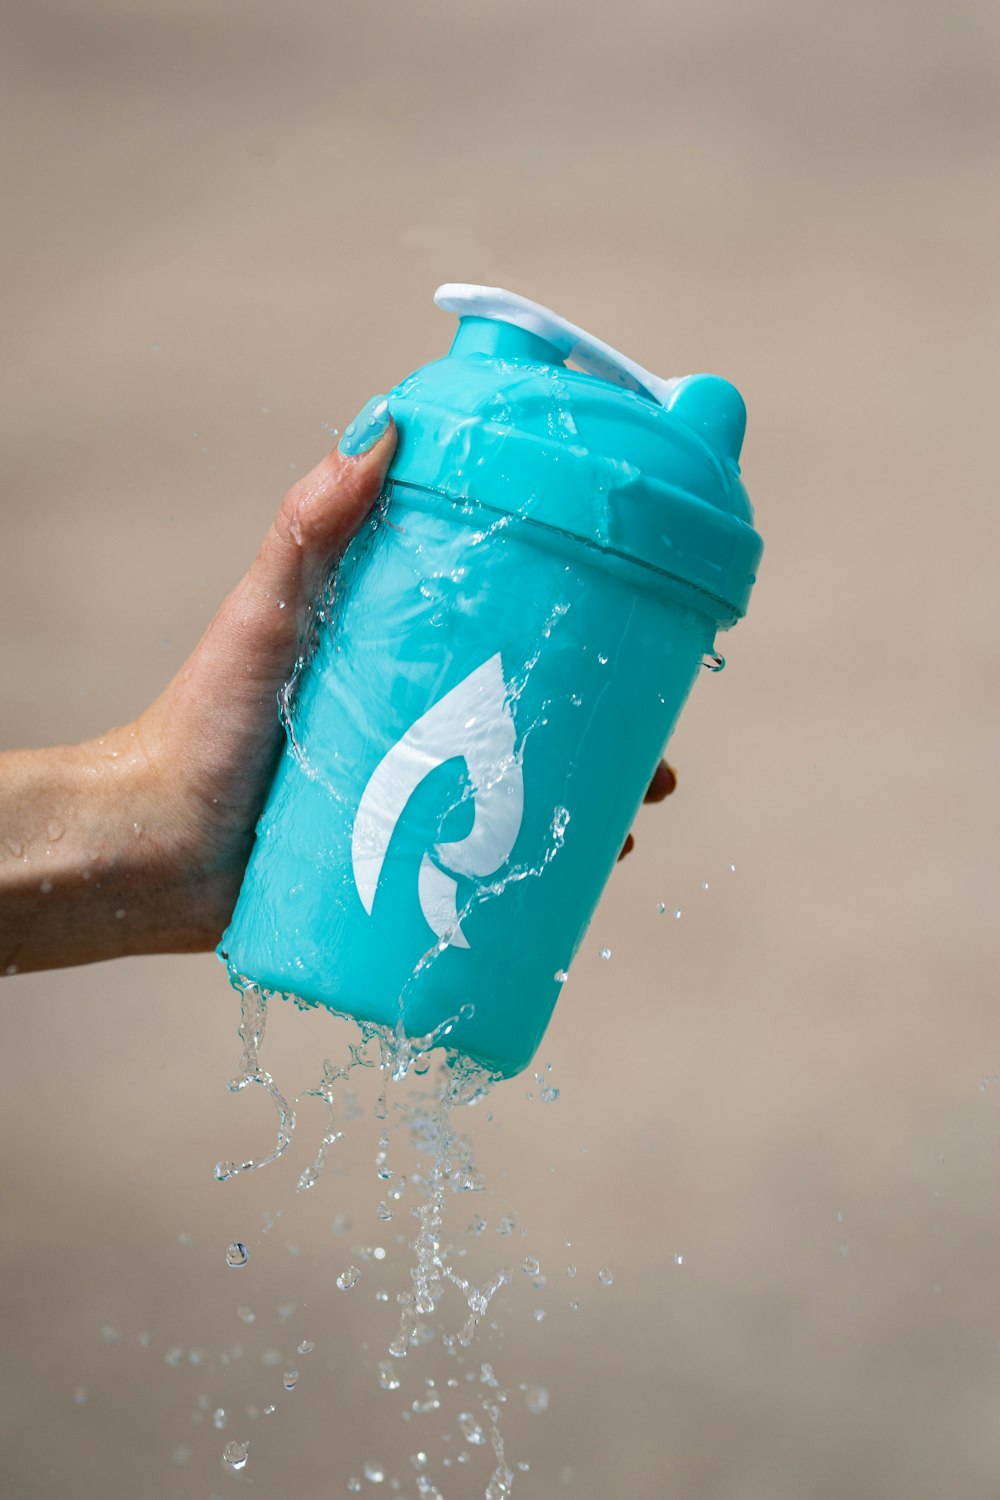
column 714, row 409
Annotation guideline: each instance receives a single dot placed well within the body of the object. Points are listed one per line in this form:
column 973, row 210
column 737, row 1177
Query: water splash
column 253, row 1009
column 421, row 1106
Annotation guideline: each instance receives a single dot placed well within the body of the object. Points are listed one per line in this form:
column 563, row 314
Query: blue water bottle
column 513, row 636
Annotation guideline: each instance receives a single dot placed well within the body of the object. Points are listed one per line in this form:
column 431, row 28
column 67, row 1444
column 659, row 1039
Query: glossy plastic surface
column 514, row 636
column 594, row 674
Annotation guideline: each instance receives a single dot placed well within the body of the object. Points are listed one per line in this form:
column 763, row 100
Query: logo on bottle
column 472, row 722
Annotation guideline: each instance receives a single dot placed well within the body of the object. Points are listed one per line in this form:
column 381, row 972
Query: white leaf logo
column 472, row 721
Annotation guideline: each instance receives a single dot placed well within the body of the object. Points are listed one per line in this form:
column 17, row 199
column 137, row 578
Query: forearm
column 85, row 870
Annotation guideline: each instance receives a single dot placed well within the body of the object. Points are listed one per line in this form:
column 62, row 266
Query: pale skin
column 136, row 842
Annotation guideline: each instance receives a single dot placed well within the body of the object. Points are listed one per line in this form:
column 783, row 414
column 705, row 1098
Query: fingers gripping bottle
column 513, row 636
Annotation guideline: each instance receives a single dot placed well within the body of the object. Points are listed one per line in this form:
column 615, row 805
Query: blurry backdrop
column 779, row 1122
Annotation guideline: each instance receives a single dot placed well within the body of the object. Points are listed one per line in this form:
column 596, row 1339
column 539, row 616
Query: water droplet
column 281, row 603
column 506, row 1225
column 80, row 1395
column 605, row 953
column 173, row 1356
column 354, row 1484
column 549, row 1095
column 219, row 1418
column 536, row 1399
column 678, row 1259
column 45, row 886
column 602, row 659
column 471, row 1429
column 606, row 1277
column 560, row 976
column 246, row 1314
column 374, row 1473
column 383, row 1212
column 290, row 1379
column 341, row 1224
column 119, row 913
column 306, row 1347
column 662, row 907
column 224, row 1170
column 237, row 1254
column 235, row 1455
column 713, row 661
column 539, row 1314
column 530, row 1266
column 182, row 1454
column 270, row 1409
column 11, row 969
column 109, row 1335
column 348, row 1278
column 55, row 831
column 387, row 1377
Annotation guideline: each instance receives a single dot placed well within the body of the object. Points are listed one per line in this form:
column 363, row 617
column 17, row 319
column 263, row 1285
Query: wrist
column 92, row 858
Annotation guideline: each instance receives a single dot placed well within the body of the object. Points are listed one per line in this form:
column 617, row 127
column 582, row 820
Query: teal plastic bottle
column 513, row 636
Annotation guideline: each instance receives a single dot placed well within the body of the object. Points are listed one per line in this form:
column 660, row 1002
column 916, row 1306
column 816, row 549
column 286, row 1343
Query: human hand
column 136, row 842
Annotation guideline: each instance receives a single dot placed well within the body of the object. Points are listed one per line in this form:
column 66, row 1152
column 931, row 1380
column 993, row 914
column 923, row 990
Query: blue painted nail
column 366, row 429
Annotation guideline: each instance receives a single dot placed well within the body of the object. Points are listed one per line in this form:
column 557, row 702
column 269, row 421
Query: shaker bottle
column 511, row 639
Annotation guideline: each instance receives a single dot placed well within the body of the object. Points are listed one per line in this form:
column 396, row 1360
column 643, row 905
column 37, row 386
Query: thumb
column 250, row 647
column 259, row 629
column 321, row 513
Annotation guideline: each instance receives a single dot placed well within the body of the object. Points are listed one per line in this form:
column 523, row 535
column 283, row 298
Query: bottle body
column 469, row 744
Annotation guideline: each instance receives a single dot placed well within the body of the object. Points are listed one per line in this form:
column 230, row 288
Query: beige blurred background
column 223, row 227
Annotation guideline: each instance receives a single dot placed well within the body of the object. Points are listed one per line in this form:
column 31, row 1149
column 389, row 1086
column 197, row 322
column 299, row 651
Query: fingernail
column 366, row 429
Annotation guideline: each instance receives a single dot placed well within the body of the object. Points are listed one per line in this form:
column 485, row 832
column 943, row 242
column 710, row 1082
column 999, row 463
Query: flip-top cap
column 639, row 467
